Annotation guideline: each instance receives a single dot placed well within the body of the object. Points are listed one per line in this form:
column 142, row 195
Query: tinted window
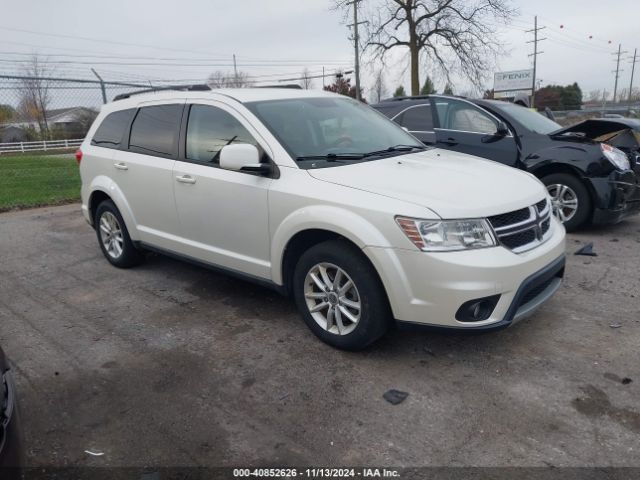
column 112, row 128
column 417, row 119
column 155, row 130
column 209, row 129
column 462, row 116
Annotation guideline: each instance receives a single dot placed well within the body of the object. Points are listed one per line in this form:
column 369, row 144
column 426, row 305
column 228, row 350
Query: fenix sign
column 514, row 80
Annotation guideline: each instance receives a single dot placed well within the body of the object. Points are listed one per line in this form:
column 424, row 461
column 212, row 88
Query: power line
column 168, row 59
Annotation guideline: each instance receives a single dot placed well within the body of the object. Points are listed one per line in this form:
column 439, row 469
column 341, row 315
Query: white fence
column 46, row 145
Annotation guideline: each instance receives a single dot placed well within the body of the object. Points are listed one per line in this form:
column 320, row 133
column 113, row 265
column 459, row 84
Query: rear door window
column 155, row 130
column 417, row 119
column 111, row 131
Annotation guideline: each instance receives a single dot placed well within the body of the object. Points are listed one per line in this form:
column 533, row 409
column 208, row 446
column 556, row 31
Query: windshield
column 529, row 119
column 333, row 129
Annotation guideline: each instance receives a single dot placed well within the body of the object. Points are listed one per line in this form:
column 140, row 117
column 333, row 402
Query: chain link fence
column 42, row 120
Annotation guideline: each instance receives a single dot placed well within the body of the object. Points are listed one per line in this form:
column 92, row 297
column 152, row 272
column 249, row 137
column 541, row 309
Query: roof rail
column 183, row 88
column 280, row 85
column 420, row 97
column 408, row 97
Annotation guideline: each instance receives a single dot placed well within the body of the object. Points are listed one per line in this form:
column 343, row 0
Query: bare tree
column 220, row 79
column 379, row 89
column 35, row 95
column 306, row 81
column 456, row 35
column 594, row 96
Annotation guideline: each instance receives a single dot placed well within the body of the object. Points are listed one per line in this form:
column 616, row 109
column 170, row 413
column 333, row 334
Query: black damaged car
column 11, row 454
column 590, row 169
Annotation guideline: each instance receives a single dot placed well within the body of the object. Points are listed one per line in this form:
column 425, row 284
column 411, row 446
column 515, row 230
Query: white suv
column 325, row 199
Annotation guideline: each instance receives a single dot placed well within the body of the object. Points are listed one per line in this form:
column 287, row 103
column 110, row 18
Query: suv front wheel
column 340, row 296
column 113, row 237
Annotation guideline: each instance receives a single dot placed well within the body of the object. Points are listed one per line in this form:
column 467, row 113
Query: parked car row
column 590, row 169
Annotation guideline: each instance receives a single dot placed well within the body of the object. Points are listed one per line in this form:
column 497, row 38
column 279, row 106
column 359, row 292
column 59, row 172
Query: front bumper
column 617, row 197
column 428, row 288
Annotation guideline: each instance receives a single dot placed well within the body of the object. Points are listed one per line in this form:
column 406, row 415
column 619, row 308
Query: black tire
column 130, row 256
column 375, row 313
column 585, row 204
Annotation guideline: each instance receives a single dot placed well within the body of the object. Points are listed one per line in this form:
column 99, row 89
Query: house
column 72, row 122
column 12, row 134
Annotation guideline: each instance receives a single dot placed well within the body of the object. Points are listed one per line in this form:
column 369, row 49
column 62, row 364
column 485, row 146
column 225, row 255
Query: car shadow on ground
column 257, row 304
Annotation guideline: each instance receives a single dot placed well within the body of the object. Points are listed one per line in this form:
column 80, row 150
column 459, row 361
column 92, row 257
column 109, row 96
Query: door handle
column 121, row 166
column 186, row 179
column 450, row 141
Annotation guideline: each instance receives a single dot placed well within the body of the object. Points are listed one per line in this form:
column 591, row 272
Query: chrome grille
column 523, row 229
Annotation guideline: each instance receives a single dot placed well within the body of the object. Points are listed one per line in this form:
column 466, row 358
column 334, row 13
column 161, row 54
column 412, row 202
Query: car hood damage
column 621, row 133
column 453, row 185
column 597, row 129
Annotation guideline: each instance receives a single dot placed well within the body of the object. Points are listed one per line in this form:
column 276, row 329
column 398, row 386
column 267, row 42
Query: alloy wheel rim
column 564, row 201
column 111, row 235
column 332, row 298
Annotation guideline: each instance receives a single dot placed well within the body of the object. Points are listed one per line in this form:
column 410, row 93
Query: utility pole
column 535, row 54
column 356, row 43
column 617, row 71
column 633, row 68
column 235, row 72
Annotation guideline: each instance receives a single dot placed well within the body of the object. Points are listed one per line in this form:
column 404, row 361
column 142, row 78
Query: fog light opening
column 477, row 310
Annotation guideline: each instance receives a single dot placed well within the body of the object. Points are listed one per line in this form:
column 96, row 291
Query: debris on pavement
column 587, row 251
column 615, row 325
column 95, row 454
column 394, row 397
column 626, row 381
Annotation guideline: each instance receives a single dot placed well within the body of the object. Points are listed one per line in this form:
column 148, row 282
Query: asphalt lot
column 172, row 365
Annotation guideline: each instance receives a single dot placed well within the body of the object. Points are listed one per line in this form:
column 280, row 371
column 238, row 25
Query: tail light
column 78, row 156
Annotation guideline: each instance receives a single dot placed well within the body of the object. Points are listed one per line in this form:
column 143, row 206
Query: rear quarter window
column 111, row 131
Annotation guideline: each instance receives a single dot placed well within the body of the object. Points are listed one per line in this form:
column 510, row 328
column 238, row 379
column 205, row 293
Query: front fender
column 322, row 217
column 104, row 184
column 584, row 159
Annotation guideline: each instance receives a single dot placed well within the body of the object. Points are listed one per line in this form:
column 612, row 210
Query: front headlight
column 447, row 235
column 615, row 156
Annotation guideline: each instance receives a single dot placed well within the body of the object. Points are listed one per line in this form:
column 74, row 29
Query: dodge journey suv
column 324, row 199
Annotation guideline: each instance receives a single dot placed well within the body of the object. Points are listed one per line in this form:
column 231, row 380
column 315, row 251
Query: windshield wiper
column 395, row 148
column 332, row 157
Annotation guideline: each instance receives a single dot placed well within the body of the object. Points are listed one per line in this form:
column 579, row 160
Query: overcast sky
column 277, row 39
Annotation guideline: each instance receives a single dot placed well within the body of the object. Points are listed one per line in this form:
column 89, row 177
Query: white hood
column 451, row 184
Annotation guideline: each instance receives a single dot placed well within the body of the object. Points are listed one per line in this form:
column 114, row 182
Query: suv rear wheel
column 340, row 295
column 570, row 199
column 113, row 237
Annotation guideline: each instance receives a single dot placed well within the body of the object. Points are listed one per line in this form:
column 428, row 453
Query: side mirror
column 242, row 157
column 502, row 130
